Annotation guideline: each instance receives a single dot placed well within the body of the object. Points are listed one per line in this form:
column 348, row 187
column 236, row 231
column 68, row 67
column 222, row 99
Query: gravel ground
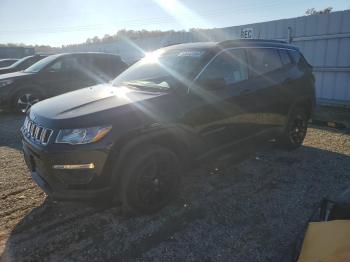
column 252, row 211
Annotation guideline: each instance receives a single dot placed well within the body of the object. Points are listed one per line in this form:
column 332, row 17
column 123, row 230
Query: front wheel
column 295, row 130
column 150, row 179
column 23, row 100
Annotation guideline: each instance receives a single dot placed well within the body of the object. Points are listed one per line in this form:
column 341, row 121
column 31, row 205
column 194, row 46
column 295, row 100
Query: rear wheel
column 295, row 130
column 150, row 180
column 23, row 100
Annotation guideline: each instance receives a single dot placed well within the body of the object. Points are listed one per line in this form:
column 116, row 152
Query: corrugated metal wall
column 16, row 52
column 323, row 39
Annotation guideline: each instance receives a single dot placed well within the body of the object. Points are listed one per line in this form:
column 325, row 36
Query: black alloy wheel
column 25, row 100
column 150, row 180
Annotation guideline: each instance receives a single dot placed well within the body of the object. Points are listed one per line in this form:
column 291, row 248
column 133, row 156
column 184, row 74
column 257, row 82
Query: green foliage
column 313, row 11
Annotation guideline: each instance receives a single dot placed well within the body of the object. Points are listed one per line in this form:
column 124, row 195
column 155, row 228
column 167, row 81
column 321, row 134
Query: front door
column 213, row 108
column 64, row 75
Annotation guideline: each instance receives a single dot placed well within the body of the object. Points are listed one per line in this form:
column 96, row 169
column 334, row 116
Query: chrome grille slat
column 35, row 132
column 32, row 131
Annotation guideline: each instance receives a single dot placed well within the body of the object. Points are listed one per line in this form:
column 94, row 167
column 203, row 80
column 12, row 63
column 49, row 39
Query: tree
column 107, row 38
column 313, row 11
column 95, row 40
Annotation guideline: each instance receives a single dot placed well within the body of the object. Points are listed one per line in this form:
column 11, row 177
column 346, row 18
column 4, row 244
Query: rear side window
column 106, row 67
column 101, row 63
column 117, row 65
column 285, row 58
column 295, row 55
column 107, row 64
column 263, row 60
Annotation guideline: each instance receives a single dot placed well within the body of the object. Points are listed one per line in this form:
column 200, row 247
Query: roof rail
column 171, row 44
column 236, row 41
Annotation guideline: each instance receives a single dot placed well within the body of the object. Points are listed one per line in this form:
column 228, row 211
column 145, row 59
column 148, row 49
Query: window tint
column 263, row 60
column 64, row 64
column 102, row 63
column 285, row 57
column 117, row 65
column 6, row 63
column 101, row 66
column 295, row 56
column 229, row 66
column 30, row 61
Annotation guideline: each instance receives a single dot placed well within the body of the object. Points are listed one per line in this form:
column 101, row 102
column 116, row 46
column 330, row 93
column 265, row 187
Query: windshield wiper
column 146, row 86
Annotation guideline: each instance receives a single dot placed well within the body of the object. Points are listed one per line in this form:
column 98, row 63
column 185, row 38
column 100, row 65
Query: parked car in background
column 7, row 62
column 22, row 64
column 55, row 75
column 132, row 139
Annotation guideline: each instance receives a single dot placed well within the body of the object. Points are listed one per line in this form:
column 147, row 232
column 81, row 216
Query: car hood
column 89, row 105
column 4, row 75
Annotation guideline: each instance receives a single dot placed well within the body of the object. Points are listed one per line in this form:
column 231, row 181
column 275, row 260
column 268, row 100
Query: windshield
column 38, row 66
column 161, row 70
column 17, row 63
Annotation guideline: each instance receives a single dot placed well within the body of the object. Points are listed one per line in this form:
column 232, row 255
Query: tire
column 24, row 99
column 295, row 130
column 144, row 189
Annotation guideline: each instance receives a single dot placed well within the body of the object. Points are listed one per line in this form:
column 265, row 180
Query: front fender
column 183, row 142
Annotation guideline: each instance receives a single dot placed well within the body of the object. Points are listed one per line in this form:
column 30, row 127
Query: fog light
column 81, row 166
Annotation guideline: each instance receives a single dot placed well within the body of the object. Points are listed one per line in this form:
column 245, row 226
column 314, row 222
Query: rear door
column 266, row 74
column 292, row 82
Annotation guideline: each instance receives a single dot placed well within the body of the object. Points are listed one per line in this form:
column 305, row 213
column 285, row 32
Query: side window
column 117, row 65
column 295, row 56
column 64, row 64
column 285, row 57
column 102, row 64
column 30, row 61
column 229, row 67
column 263, row 60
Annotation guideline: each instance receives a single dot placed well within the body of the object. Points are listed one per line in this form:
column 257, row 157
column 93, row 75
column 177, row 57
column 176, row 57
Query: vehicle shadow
column 10, row 124
column 261, row 204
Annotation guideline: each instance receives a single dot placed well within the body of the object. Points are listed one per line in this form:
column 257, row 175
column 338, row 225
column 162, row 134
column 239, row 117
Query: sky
column 56, row 23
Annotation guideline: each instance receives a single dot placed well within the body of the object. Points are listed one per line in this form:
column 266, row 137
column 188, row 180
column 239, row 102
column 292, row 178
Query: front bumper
column 61, row 184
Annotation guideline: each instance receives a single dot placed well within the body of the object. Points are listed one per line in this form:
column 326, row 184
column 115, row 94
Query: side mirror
column 213, row 84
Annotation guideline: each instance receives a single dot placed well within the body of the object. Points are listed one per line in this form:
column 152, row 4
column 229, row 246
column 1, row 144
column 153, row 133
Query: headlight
column 82, row 135
column 6, row 82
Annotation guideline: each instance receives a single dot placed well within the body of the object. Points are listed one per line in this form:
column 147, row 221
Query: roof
column 233, row 43
column 87, row 53
column 195, row 45
column 9, row 59
column 255, row 43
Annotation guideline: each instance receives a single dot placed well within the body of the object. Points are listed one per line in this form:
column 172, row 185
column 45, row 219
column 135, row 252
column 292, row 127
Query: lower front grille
column 35, row 132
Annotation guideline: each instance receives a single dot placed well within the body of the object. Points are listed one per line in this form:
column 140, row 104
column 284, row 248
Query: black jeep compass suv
column 132, row 139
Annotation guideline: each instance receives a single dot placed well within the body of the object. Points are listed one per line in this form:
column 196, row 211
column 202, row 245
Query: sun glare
column 151, row 57
column 182, row 14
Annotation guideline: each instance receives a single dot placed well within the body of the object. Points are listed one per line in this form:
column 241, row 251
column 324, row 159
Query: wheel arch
column 31, row 87
column 129, row 143
column 304, row 102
